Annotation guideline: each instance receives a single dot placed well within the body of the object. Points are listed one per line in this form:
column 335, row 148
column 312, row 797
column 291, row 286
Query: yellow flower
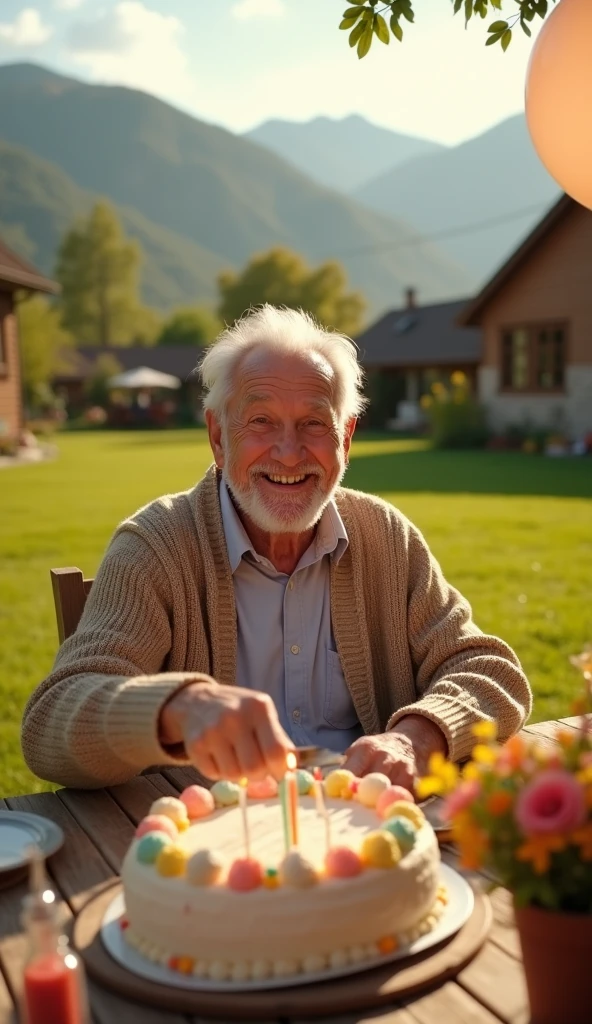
column 483, row 754
column 485, row 730
column 583, row 837
column 538, row 849
column 430, row 785
column 458, row 379
column 444, row 770
column 426, row 401
column 472, row 772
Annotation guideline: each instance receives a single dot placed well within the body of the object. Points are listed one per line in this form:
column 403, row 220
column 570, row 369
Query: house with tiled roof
column 535, row 316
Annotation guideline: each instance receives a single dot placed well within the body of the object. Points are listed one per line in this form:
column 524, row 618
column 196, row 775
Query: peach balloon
column 559, row 97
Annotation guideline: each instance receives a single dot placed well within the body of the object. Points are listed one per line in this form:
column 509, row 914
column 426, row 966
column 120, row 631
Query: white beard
column 284, row 512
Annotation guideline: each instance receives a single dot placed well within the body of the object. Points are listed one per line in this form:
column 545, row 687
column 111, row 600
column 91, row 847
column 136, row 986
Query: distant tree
column 363, row 20
column 98, row 268
column 43, row 344
column 192, row 325
column 283, row 278
column 97, row 390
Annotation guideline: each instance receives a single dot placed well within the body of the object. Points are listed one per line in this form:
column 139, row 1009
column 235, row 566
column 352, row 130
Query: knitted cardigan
column 161, row 613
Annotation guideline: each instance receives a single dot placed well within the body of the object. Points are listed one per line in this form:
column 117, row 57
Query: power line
column 452, row 232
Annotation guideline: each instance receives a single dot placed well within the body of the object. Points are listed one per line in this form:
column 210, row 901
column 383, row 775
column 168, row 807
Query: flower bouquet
column 523, row 812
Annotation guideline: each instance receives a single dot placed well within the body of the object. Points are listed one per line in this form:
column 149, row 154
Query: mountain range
column 490, row 178
column 342, row 154
column 197, row 196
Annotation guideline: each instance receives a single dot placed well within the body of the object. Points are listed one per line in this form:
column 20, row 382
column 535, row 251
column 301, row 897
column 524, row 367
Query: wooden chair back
column 70, row 591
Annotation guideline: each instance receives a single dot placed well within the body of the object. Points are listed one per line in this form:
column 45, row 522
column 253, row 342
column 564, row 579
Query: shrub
column 456, row 418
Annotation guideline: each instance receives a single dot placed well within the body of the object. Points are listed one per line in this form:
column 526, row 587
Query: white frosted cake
column 359, row 879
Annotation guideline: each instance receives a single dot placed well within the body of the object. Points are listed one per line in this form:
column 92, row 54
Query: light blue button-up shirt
column 286, row 646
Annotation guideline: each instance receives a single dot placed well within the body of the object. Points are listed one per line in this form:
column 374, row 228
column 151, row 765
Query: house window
column 533, row 358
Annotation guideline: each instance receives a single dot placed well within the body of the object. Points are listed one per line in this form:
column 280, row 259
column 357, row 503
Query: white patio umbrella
column 144, row 377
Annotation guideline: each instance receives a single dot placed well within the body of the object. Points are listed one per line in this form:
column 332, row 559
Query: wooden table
column 99, row 825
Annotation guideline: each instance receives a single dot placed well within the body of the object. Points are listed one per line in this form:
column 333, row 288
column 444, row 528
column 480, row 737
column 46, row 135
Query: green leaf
column 497, row 4
column 525, row 28
column 457, row 5
column 347, row 23
column 468, row 10
column 352, row 12
column 356, row 33
column 506, row 39
column 495, row 38
column 365, row 41
column 541, row 8
column 396, row 28
column 381, row 29
column 498, row 26
column 408, row 13
column 367, row 14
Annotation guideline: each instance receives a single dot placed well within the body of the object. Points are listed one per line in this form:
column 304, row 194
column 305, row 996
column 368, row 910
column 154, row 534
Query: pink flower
column 462, row 798
column 551, row 802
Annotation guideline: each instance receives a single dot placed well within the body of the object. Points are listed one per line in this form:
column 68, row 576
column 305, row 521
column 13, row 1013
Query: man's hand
column 402, row 753
column 228, row 732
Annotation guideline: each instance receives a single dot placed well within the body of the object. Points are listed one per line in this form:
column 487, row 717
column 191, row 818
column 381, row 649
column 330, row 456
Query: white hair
column 281, row 330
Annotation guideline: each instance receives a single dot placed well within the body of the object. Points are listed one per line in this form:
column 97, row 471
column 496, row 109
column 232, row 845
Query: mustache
column 257, row 471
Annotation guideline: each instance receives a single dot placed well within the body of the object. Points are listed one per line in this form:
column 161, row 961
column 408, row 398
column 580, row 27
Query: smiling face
column 282, row 449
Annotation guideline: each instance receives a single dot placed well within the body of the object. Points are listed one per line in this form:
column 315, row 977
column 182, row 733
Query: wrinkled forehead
column 283, row 376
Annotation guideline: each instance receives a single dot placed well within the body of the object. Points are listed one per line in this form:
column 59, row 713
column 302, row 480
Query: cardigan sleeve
column 94, row 720
column 462, row 676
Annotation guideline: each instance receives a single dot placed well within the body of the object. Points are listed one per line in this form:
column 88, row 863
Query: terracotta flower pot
column 556, row 950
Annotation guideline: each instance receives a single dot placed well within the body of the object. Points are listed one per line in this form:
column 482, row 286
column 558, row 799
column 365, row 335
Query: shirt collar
column 330, row 539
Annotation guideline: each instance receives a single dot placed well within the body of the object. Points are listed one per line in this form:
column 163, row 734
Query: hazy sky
column 240, row 62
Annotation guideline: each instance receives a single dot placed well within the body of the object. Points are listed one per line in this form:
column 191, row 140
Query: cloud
column 246, row 10
column 27, row 29
column 132, row 45
column 67, row 5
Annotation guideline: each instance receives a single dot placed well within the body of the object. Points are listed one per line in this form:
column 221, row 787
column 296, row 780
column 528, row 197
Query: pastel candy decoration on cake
column 171, row 861
column 342, row 862
column 150, row 846
column 370, row 787
column 172, row 808
column 391, row 795
column 157, row 823
column 225, row 793
column 380, row 849
column 297, row 871
column 198, row 801
column 204, row 868
column 262, row 789
column 304, row 781
column 406, row 809
column 245, row 874
column 403, row 830
column 338, row 784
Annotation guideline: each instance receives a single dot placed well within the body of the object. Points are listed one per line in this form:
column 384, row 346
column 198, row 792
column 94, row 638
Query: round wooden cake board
column 374, row 987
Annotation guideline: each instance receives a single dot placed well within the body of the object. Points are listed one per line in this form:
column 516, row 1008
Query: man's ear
column 348, row 434
column 215, row 436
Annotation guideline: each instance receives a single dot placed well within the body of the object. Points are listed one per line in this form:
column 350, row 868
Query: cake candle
column 321, row 809
column 292, row 791
column 242, row 799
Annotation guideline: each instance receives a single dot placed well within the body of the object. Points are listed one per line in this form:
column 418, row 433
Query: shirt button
column 296, row 714
column 295, row 649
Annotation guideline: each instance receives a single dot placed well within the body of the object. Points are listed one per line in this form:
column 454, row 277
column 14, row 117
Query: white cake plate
column 455, row 914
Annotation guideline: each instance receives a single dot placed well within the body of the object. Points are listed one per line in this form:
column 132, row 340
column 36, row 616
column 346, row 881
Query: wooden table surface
column 99, row 825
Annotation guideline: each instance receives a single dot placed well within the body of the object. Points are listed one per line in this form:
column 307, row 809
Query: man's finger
column 358, row 759
column 274, row 745
column 225, row 759
column 251, row 761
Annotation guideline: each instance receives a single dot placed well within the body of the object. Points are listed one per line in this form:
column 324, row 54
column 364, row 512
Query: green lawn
column 513, row 532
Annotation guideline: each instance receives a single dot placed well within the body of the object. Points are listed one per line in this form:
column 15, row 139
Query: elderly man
column 268, row 607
